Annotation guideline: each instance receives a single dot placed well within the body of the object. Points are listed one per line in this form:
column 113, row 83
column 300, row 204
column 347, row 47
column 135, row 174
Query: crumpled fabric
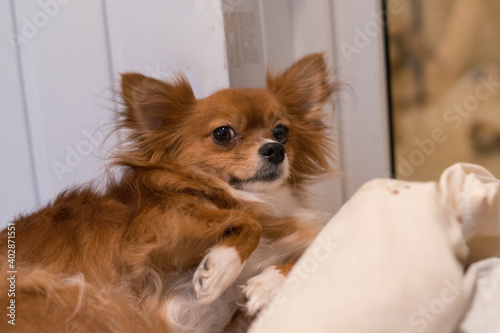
column 482, row 283
column 392, row 260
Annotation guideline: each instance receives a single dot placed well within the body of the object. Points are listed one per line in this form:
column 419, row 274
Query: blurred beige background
column 445, row 85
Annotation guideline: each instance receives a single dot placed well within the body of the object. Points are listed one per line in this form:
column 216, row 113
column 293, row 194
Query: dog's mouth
column 266, row 178
column 261, row 181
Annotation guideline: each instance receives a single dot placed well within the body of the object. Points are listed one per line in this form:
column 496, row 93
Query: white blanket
column 391, row 260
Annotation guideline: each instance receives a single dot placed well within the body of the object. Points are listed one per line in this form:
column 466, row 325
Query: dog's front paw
column 261, row 289
column 216, row 272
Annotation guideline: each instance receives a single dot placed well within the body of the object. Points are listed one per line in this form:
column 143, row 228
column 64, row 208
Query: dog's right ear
column 152, row 104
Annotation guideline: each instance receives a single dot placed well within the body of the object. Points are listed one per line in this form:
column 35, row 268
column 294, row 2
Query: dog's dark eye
column 281, row 133
column 223, row 134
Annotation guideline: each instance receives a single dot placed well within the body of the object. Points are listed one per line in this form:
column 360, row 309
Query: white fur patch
column 185, row 315
column 311, row 216
column 247, row 196
column 216, row 272
column 261, row 289
column 280, row 201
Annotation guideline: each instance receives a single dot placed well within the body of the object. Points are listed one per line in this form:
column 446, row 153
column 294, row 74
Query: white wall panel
column 360, row 63
column 278, row 39
column 165, row 37
column 18, row 192
column 66, row 76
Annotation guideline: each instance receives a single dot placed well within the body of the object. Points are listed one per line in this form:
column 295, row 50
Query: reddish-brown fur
column 285, row 268
column 106, row 260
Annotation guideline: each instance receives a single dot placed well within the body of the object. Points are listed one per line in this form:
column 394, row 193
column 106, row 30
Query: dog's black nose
column 273, row 152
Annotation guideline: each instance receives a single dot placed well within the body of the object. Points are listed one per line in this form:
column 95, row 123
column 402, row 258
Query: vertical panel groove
column 263, row 32
column 108, row 42
column 20, row 71
column 338, row 107
column 111, row 65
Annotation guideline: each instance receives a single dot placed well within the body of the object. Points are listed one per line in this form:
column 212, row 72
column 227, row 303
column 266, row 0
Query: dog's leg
column 261, row 289
column 291, row 237
column 224, row 262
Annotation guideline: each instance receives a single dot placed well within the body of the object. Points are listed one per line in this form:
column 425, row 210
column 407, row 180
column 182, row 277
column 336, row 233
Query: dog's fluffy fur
column 196, row 212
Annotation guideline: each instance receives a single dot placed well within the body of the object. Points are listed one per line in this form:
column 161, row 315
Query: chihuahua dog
column 208, row 199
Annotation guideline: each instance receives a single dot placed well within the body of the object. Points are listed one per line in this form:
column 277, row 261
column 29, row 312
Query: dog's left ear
column 304, row 88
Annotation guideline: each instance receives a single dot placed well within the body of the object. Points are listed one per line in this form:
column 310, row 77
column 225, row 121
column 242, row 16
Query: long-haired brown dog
column 207, row 201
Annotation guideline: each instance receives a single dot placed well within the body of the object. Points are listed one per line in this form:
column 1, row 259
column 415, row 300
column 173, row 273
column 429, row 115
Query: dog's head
column 253, row 139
